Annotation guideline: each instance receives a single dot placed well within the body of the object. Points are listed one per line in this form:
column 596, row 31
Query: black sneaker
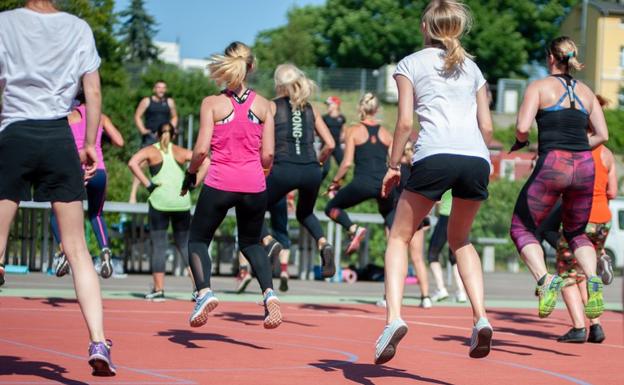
column 574, row 336
column 106, row 270
column 327, row 259
column 155, row 295
column 273, row 249
column 283, row 282
column 62, row 265
column 596, row 334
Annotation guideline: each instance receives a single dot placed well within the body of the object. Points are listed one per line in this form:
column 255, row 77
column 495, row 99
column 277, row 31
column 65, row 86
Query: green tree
column 137, row 33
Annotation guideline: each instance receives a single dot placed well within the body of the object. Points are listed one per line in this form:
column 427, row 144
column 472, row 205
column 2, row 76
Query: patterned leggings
column 567, row 265
column 558, row 173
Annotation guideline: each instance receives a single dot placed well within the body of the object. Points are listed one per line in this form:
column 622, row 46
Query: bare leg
column 417, row 246
column 411, row 210
column 7, row 213
column 438, row 276
column 134, row 190
column 70, row 218
column 284, row 256
column 533, row 255
column 586, row 258
column 159, row 281
column 572, row 298
column 468, row 262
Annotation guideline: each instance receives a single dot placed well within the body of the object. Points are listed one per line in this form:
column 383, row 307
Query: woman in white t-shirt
column 448, row 93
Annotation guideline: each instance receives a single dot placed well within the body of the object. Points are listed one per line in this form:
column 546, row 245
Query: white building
column 169, row 52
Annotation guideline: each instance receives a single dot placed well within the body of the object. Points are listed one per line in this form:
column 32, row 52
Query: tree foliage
column 137, row 32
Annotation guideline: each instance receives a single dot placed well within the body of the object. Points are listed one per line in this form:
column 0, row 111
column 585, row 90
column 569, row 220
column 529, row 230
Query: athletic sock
column 541, row 281
column 283, row 267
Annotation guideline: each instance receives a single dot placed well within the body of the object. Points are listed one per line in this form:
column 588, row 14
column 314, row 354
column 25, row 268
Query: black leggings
column 159, row 224
column 438, row 239
column 360, row 190
column 306, row 178
column 337, row 154
column 212, row 207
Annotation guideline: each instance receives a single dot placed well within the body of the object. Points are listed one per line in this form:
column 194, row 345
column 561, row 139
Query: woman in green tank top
column 166, row 161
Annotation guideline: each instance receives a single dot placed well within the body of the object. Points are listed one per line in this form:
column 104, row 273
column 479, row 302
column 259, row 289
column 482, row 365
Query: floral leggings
column 567, row 264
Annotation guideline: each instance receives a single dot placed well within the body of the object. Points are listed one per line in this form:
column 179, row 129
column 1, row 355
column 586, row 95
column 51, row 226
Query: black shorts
column 40, row 155
column 466, row 176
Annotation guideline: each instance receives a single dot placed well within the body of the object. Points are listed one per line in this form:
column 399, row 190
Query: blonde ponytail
column 368, row 105
column 565, row 52
column 445, row 21
column 292, row 82
column 231, row 68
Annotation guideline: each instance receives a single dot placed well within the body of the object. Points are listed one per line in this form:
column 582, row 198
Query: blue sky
column 204, row 27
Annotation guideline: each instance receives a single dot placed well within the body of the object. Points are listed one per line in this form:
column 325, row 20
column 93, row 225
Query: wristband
column 395, row 168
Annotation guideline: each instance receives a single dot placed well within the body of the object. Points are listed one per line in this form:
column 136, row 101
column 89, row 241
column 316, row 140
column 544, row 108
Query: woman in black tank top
column 366, row 145
column 296, row 166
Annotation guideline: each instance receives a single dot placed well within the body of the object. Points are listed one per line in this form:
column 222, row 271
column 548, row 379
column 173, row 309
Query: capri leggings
column 438, row 239
column 284, row 178
column 558, row 173
column 212, row 206
column 159, row 224
column 279, row 222
column 359, row 190
column 96, row 196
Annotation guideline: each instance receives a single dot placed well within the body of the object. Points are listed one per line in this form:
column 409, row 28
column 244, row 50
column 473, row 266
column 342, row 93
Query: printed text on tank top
column 240, row 100
column 294, row 133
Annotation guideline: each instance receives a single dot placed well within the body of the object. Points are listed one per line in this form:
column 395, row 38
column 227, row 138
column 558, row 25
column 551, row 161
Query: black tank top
column 294, row 133
column 334, row 125
column 157, row 113
column 561, row 128
column 370, row 156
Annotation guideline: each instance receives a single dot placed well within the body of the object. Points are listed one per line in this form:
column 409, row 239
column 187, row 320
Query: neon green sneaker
column 548, row 293
column 595, row 304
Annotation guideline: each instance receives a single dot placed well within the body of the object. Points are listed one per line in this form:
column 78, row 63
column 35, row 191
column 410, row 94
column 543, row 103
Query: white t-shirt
column 43, row 57
column 446, row 105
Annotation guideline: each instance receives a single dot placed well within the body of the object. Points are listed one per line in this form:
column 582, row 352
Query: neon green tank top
column 445, row 203
column 166, row 197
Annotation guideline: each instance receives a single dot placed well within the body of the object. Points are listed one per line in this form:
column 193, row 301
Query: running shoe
column 203, row 305
column 155, row 295
column 596, row 334
column 327, row 259
column 100, row 359
column 283, row 281
column 425, row 302
column 440, row 295
column 106, row 270
column 481, row 339
column 1, row 274
column 386, row 345
column 605, row 269
column 272, row 314
column 461, row 297
column 194, row 295
column 61, row 263
column 547, row 294
column 356, row 239
column 273, row 249
column 381, row 303
column 595, row 304
column 243, row 280
column 573, row 336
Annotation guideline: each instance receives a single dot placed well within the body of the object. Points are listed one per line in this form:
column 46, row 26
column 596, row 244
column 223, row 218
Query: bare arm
column 484, row 118
column 134, row 164
column 93, row 97
column 138, row 116
column 612, row 182
column 349, row 155
column 202, row 145
column 323, row 132
column 112, row 131
column 174, row 112
column 528, row 110
column 600, row 133
column 268, row 137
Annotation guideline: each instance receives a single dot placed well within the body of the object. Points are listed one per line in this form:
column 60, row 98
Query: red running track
column 44, row 341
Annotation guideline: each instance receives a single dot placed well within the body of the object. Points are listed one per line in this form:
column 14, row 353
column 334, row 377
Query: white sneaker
column 461, row 297
column 426, row 303
column 381, row 303
column 440, row 295
column 481, row 339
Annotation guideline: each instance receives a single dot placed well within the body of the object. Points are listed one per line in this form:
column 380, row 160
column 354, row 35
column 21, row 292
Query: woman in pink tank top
column 236, row 129
column 96, row 188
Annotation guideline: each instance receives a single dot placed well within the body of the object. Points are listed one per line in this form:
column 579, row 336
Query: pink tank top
column 79, row 130
column 235, row 152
